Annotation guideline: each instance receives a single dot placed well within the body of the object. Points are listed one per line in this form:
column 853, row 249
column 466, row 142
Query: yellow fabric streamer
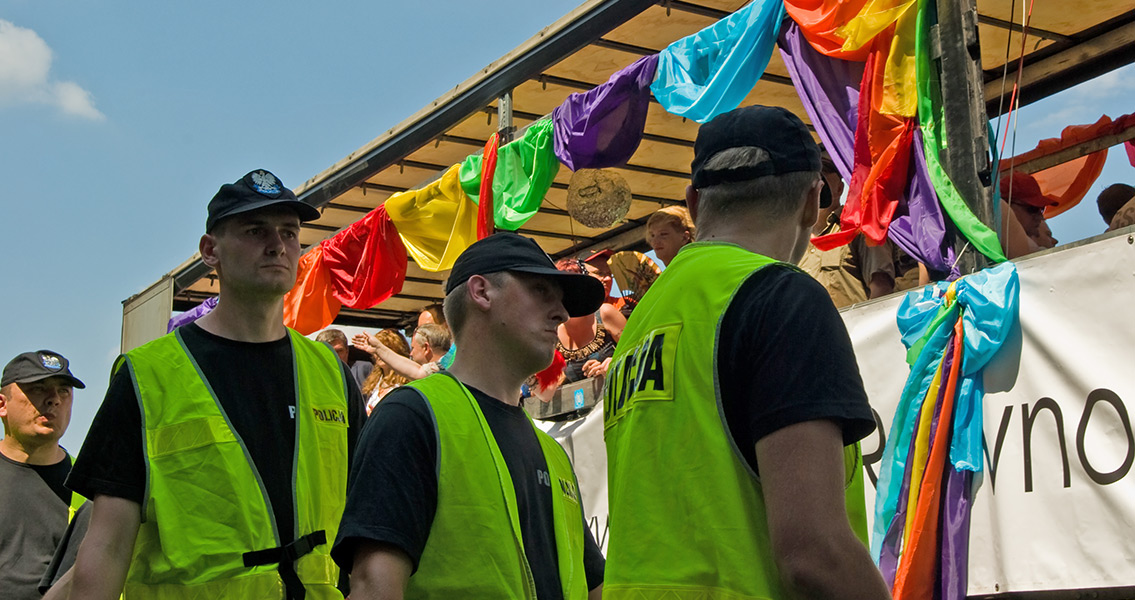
column 922, row 440
column 900, row 86
column 921, row 452
column 436, row 223
column 900, row 92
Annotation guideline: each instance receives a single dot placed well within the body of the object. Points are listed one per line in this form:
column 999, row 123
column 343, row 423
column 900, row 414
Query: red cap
column 1025, row 190
column 602, row 254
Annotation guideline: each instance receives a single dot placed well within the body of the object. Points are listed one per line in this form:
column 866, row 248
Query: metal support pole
column 965, row 122
column 504, row 113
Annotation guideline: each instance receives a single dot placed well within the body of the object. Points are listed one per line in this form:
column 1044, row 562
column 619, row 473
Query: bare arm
column 104, row 556
column 380, row 572
column 402, row 365
column 816, row 552
column 613, row 320
column 62, row 587
column 596, row 594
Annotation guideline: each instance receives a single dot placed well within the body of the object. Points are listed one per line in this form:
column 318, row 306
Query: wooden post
column 504, row 115
column 965, row 123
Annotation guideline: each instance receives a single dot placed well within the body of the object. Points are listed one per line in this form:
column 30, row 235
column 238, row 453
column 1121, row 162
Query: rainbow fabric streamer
column 927, row 475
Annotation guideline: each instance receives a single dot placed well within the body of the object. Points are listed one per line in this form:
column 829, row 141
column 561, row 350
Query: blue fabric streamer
column 711, row 72
column 988, row 301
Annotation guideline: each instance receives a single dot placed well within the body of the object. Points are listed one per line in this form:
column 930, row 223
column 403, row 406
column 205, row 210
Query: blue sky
column 118, row 121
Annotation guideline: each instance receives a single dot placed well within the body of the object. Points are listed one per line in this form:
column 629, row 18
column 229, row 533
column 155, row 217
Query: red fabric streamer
column 883, row 145
column 551, row 375
column 485, row 211
column 311, row 305
column 366, row 261
column 917, row 573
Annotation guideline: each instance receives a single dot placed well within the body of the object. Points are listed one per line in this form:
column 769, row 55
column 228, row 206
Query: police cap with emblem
column 507, row 251
column 30, row 367
column 254, row 191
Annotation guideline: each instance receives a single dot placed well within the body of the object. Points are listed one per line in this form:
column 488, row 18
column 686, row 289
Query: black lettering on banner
column 1113, row 399
column 1006, row 416
column 1027, row 430
column 600, row 536
column 877, row 455
column 651, row 369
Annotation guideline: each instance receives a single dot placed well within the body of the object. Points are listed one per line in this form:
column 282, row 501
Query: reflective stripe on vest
column 475, row 547
column 687, row 513
column 205, row 504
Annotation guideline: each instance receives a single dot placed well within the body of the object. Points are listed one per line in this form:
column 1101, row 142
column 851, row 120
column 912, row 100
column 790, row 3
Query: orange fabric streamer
column 917, row 571
column 311, row 304
column 882, row 160
column 1069, row 182
column 485, row 209
column 819, row 20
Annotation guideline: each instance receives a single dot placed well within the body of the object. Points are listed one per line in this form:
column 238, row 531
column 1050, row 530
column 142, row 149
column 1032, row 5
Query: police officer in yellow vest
column 218, row 461
column 36, row 391
column 733, row 403
column 455, row 493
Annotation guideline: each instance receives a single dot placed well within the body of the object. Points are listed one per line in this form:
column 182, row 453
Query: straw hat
column 598, row 198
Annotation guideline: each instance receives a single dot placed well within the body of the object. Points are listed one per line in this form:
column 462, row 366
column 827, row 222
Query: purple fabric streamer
column 953, row 570
column 891, row 551
column 829, row 90
column 192, row 314
column 603, row 126
column 892, row 544
column 918, row 226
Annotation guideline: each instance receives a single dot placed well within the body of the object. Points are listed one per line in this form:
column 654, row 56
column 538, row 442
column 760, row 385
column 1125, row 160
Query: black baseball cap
column 776, row 130
column 35, row 366
column 256, row 190
column 507, row 251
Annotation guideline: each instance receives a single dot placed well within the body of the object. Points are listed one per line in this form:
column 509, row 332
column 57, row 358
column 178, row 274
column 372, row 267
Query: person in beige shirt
column 854, row 272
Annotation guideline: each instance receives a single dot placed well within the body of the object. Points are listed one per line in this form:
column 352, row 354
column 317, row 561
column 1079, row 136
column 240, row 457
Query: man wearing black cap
column 35, row 407
column 218, row 461
column 455, row 493
column 733, row 403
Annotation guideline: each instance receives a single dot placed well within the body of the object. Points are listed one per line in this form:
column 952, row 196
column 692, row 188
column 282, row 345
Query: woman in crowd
column 588, row 342
column 383, row 378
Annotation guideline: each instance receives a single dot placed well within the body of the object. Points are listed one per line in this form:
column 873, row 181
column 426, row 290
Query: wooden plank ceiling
column 1063, row 48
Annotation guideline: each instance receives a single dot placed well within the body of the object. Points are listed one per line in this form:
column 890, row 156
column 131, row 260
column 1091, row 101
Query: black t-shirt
column 392, row 493
column 67, row 549
column 255, row 384
column 33, row 517
column 784, row 357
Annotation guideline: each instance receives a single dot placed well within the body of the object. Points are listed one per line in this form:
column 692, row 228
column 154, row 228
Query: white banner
column 1056, row 508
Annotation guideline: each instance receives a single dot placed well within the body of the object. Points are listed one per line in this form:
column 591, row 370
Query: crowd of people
column 229, row 458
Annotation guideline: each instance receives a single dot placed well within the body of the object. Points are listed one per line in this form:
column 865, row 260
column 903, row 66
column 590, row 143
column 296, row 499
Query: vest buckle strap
column 287, row 553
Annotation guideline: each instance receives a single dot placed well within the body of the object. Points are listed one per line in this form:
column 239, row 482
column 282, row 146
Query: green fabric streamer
column 930, row 118
column 525, row 170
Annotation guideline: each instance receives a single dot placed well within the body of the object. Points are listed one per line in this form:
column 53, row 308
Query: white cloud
column 25, row 75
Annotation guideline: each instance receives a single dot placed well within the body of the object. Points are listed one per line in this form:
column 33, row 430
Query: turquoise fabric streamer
column 991, row 299
column 711, row 72
column 989, row 302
